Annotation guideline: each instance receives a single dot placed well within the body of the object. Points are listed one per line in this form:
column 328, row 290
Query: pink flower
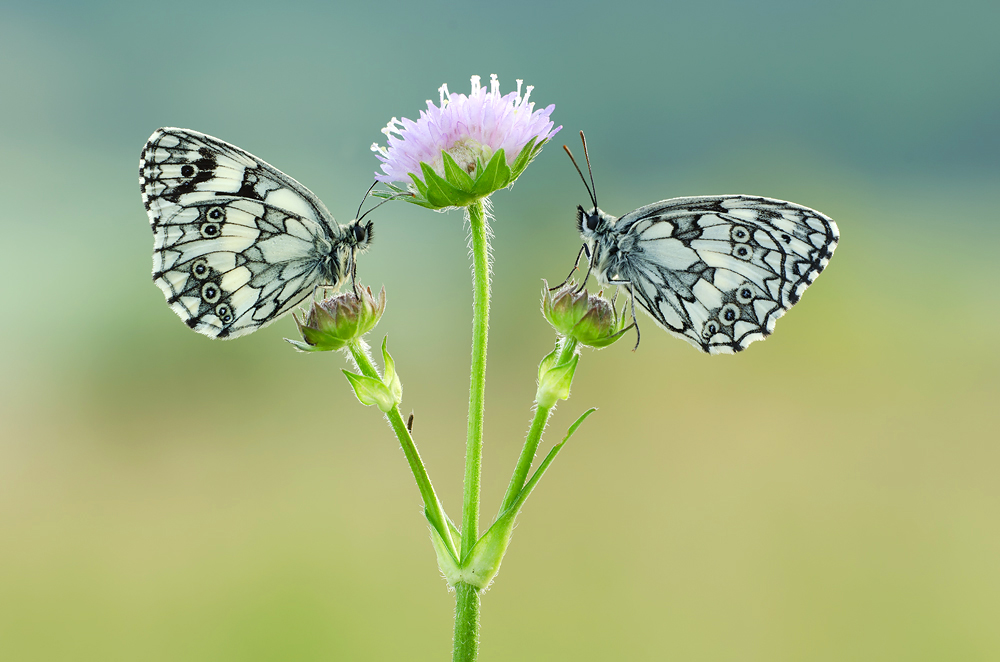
column 470, row 129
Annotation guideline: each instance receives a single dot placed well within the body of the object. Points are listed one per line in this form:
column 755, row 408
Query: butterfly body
column 717, row 271
column 237, row 243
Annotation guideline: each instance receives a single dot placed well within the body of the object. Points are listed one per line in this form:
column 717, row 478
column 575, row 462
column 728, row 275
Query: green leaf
column 440, row 193
column 370, row 391
column 393, row 192
column 484, row 560
column 524, row 158
column 540, row 471
column 495, row 176
column 455, row 175
column 548, row 362
column 421, row 187
column 390, row 378
column 555, row 383
column 304, row 347
column 447, row 562
column 578, row 423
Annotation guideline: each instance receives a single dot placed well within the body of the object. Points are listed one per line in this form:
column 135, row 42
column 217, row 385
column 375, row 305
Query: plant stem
column 534, row 437
column 435, row 513
column 477, row 387
column 466, row 644
column 467, row 602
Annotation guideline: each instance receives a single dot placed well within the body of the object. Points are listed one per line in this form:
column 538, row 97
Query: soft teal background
column 830, row 494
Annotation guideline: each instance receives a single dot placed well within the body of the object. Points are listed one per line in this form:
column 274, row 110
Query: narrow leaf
column 456, row 175
column 523, row 159
column 495, row 176
column 440, row 193
column 421, row 187
column 303, row 347
column 530, row 485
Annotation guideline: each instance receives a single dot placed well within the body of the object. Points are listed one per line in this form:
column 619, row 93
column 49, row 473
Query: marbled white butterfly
column 717, row 270
column 237, row 243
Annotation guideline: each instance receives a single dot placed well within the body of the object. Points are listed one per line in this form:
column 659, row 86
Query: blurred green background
column 830, row 494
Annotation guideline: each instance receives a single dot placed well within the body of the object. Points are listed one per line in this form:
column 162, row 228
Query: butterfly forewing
column 718, row 271
column 237, row 243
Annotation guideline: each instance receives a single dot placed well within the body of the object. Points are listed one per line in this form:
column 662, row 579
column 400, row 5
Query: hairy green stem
column 534, row 437
column 466, row 644
column 477, row 387
column 467, row 600
column 432, row 506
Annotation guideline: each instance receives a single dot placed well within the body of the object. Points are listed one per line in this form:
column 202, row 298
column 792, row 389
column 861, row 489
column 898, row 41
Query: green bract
column 333, row 323
column 554, row 378
column 458, row 187
column 386, row 392
column 589, row 319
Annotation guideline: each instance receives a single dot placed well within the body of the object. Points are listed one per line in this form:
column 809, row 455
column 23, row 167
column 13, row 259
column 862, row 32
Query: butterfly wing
column 718, row 271
column 237, row 243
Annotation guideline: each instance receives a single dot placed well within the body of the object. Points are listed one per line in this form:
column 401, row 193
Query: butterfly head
column 359, row 235
column 592, row 223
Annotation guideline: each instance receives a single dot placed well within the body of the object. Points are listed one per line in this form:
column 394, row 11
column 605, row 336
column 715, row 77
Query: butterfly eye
column 729, row 314
column 210, row 230
column 740, row 233
column 592, row 222
column 359, row 233
column 216, row 213
column 210, row 292
column 711, row 328
column 744, row 294
column 226, row 315
column 743, row 251
column 200, row 269
column 188, row 170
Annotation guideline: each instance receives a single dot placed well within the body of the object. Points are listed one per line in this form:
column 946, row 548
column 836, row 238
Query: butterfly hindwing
column 237, row 243
column 718, row 271
column 227, row 268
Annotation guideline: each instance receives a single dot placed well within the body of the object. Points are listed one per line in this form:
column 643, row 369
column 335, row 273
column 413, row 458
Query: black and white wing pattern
column 718, row 271
column 237, row 243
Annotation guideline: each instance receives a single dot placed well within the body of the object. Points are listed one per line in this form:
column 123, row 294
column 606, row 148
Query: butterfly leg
column 631, row 292
column 583, row 283
column 354, row 275
column 575, row 265
column 590, row 265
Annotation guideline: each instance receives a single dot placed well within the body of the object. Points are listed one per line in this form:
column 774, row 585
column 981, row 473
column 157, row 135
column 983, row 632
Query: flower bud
column 334, row 322
column 589, row 319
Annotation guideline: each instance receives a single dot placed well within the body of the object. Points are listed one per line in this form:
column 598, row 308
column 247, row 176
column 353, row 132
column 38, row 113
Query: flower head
column 465, row 148
column 333, row 323
column 590, row 319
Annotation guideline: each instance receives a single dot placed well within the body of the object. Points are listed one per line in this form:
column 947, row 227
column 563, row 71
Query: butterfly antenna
column 586, row 155
column 589, row 192
column 365, row 198
column 390, row 199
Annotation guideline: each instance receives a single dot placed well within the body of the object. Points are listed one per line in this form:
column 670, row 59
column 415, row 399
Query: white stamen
column 443, row 91
column 518, row 102
column 494, row 85
column 475, row 84
column 527, row 94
